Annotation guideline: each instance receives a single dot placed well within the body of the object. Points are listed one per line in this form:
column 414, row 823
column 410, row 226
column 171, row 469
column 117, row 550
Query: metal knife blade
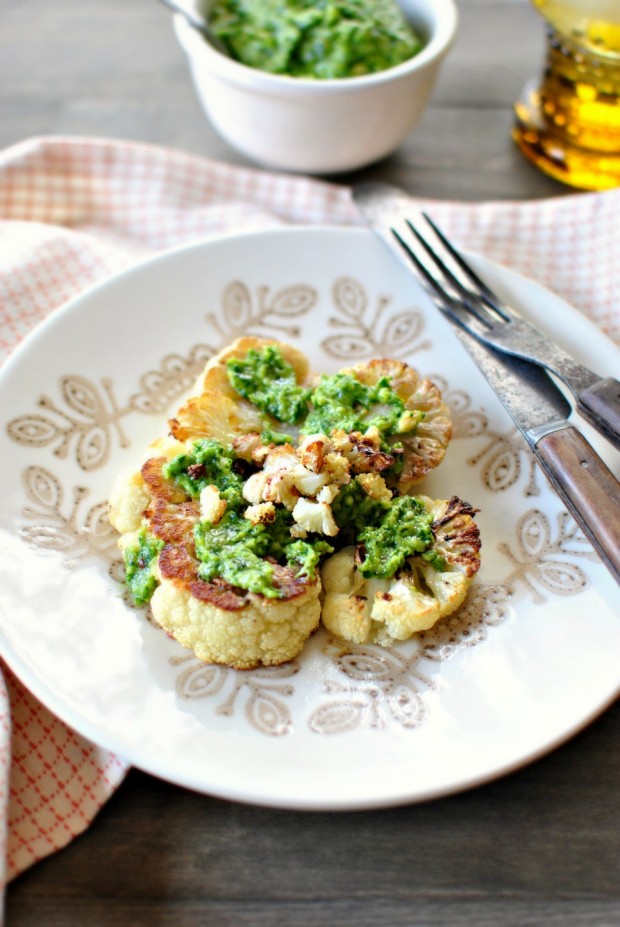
column 585, row 484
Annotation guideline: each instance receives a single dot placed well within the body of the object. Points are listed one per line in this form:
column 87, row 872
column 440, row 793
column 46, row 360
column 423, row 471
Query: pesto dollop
column 342, row 402
column 404, row 529
column 208, row 463
column 139, row 560
column 353, row 509
column 321, row 39
column 269, row 382
column 386, row 532
column 243, row 554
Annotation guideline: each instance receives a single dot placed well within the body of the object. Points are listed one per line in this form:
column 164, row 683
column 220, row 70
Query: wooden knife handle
column 600, row 404
column 587, row 487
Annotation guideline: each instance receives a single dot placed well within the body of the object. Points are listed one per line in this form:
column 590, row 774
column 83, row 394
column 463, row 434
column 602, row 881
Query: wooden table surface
column 538, row 847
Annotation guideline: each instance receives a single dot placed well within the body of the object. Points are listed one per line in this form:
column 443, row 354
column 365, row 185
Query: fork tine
column 454, row 306
column 420, row 267
column 473, row 301
column 485, row 291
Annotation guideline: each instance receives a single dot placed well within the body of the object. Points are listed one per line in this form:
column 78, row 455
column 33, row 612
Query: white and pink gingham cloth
column 73, row 211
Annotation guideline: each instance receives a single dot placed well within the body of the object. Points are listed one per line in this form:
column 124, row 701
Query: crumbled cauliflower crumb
column 328, row 493
column 374, row 486
column 280, row 487
column 337, row 468
column 246, row 445
column 307, row 482
column 280, row 457
column 262, row 514
column 362, row 451
column 212, row 506
column 253, row 487
column 312, row 450
column 374, row 435
column 284, row 479
column 315, row 516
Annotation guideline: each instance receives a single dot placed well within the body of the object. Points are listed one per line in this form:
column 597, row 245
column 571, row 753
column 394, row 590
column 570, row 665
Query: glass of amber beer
column 568, row 122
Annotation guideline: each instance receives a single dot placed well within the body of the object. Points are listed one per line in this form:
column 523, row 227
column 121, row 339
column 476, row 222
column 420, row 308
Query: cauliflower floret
column 315, row 516
column 128, row 500
column 328, row 493
column 374, row 486
column 337, row 468
column 263, row 631
column 312, row 450
column 211, row 415
column 382, row 611
column 425, row 446
column 212, row 506
column 262, row 514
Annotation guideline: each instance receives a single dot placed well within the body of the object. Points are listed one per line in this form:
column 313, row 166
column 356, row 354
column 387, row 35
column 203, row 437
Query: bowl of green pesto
column 317, row 86
column 320, row 39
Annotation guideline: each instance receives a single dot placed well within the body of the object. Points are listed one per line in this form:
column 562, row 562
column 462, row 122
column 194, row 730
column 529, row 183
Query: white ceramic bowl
column 320, row 126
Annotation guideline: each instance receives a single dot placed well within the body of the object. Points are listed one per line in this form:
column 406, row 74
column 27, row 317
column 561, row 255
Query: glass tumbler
column 568, row 122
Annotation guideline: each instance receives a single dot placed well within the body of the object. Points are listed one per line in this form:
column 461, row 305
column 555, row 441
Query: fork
column 458, row 290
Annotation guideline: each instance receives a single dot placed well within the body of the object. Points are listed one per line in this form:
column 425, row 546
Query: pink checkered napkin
column 73, row 211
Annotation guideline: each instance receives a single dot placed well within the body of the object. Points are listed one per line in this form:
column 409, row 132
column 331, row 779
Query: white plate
column 529, row 660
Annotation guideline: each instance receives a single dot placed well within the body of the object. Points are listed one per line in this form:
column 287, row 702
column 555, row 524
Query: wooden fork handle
column 600, row 404
column 587, row 487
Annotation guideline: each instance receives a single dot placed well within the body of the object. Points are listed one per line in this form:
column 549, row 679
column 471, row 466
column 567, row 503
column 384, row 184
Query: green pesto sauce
column 269, row 382
column 275, row 437
column 315, row 38
column 341, row 401
column 207, row 464
column 388, row 531
column 235, row 549
column 353, row 510
column 404, row 529
column 140, row 558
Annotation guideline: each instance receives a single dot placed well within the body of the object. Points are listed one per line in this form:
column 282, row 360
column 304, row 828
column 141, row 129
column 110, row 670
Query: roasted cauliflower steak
column 361, row 610
column 235, row 526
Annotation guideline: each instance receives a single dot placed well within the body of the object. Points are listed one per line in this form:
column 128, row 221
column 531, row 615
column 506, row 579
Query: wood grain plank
column 385, row 911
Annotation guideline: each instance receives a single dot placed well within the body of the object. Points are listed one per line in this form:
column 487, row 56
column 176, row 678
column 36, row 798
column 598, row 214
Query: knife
column 584, row 483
